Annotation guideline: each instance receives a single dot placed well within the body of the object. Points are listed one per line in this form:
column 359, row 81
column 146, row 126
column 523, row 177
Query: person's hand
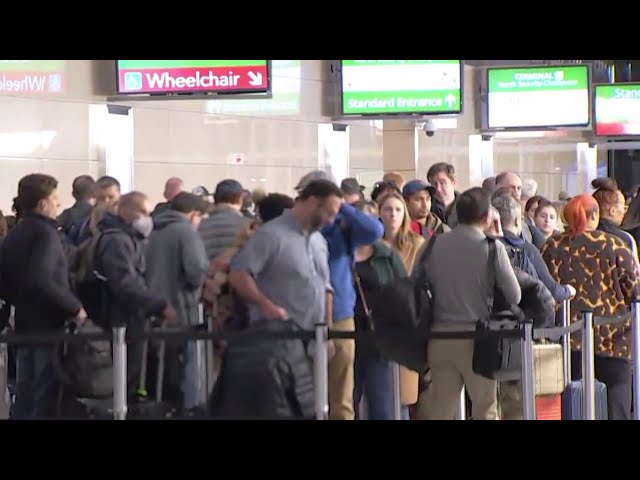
column 81, row 317
column 169, row 314
column 572, row 291
column 271, row 311
column 331, row 349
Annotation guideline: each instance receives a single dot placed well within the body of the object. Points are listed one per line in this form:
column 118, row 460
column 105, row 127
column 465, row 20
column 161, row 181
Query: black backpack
column 520, row 260
column 402, row 317
column 86, row 281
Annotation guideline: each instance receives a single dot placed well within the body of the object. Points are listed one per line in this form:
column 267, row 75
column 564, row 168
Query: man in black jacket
column 34, row 278
column 83, row 190
column 120, row 258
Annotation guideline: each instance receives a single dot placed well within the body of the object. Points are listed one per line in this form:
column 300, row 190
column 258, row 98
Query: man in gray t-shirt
column 283, row 272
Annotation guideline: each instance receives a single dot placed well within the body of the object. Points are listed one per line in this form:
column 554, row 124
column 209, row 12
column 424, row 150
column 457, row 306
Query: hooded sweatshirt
column 177, row 264
column 351, row 230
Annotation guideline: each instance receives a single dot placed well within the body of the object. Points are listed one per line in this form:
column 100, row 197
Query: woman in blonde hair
column 397, row 228
column 399, row 235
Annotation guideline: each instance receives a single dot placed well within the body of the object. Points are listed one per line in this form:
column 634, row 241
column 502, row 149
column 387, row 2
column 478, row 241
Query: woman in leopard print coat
column 601, row 268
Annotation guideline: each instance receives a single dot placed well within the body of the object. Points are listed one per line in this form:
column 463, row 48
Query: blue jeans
column 37, row 386
column 373, row 379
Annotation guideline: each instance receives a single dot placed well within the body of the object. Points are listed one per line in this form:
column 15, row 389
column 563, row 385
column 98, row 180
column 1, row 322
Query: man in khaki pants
column 350, row 230
column 458, row 272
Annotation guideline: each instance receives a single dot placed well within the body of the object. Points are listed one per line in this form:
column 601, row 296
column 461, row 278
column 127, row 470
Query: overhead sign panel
column 617, row 109
column 538, row 97
column 31, row 76
column 388, row 87
column 192, row 76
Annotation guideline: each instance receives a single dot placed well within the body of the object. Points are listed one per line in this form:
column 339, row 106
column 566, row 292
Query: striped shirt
column 220, row 230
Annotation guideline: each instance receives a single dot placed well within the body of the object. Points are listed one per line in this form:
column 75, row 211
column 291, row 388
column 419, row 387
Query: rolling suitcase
column 549, row 407
column 573, row 397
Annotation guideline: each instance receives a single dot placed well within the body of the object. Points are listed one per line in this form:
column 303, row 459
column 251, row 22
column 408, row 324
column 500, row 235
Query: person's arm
column 328, row 308
column 506, row 279
column 364, row 229
column 559, row 292
column 325, row 273
column 45, row 255
column 128, row 287
column 628, row 272
column 247, row 264
column 194, row 259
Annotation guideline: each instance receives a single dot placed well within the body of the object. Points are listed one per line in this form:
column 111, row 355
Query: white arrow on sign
column 450, row 100
column 256, row 78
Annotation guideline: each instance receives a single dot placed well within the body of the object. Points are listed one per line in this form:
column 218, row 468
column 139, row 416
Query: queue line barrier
column 321, row 335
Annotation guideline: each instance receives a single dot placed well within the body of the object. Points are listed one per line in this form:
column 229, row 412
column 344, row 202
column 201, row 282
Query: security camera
column 430, row 128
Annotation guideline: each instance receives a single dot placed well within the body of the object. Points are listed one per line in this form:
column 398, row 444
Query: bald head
column 172, row 188
column 395, row 178
column 512, row 181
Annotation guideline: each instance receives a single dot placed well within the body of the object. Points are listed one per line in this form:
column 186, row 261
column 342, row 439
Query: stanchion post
column 461, row 411
column 528, row 384
column 321, row 372
column 395, row 385
column 635, row 331
column 119, row 374
column 566, row 342
column 588, row 368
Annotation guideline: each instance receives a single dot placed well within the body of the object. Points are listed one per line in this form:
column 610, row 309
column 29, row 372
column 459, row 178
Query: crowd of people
column 250, row 260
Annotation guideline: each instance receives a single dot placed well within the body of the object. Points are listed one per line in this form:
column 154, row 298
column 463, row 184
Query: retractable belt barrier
column 321, row 335
column 587, row 325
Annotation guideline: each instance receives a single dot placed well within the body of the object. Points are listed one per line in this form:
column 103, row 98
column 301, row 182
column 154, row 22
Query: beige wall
column 48, row 133
column 64, row 134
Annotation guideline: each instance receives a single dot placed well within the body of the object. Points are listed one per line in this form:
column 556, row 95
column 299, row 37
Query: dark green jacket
column 387, row 265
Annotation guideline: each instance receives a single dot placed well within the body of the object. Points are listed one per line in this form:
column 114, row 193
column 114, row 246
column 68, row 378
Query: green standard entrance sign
column 191, row 76
column 387, row 87
column 538, row 97
column 617, row 109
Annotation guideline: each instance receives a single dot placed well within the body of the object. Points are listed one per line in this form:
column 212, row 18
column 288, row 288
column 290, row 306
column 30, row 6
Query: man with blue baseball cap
column 418, row 195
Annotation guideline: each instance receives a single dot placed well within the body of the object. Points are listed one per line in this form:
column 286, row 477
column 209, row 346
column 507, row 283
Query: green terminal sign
column 387, row 87
column 538, row 97
column 617, row 109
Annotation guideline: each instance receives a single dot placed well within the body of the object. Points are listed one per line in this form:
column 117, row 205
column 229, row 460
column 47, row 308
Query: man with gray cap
column 350, row 230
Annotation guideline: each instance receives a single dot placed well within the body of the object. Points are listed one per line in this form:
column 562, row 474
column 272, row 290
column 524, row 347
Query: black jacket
column 265, row 379
column 78, row 213
column 34, row 276
column 120, row 258
column 535, row 265
column 536, row 304
column 448, row 215
column 161, row 207
column 607, row 226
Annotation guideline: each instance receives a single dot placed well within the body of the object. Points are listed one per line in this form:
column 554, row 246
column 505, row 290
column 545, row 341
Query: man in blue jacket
column 350, row 230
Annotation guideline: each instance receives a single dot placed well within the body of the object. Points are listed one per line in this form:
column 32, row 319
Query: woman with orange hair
column 601, row 268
